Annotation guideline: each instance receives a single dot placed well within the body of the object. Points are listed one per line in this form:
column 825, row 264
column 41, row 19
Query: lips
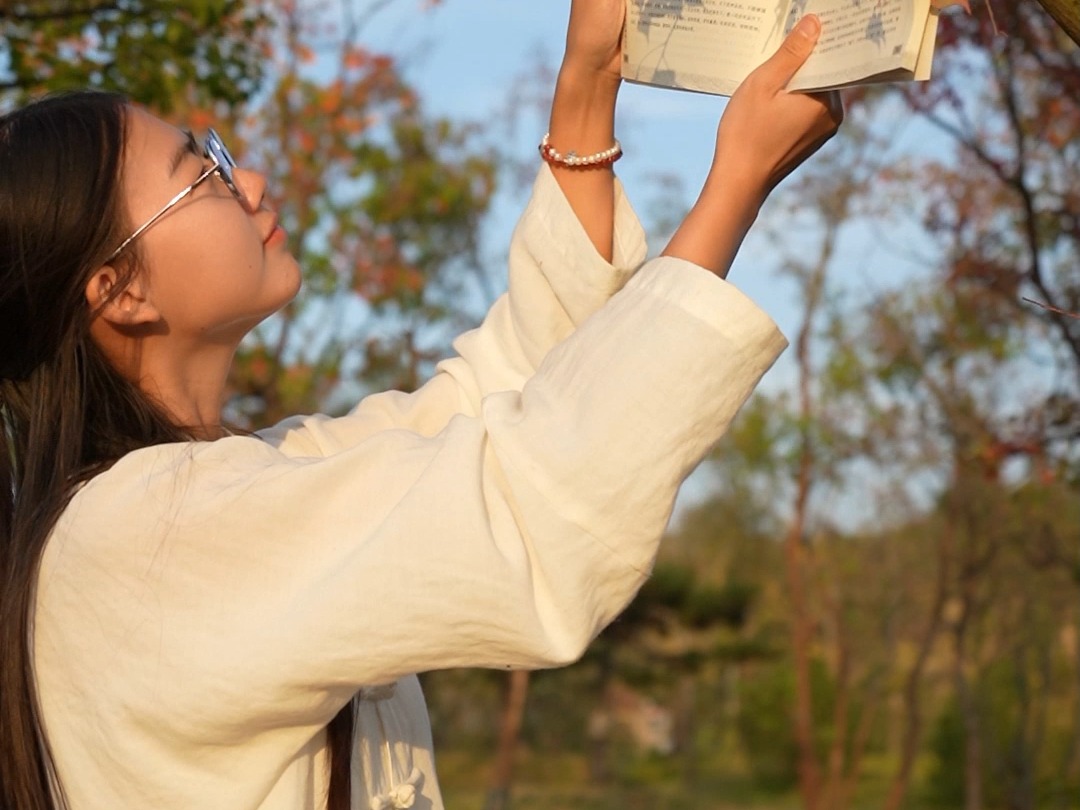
column 274, row 228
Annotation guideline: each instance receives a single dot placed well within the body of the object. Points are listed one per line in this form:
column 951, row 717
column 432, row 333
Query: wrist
column 737, row 185
column 714, row 228
column 583, row 114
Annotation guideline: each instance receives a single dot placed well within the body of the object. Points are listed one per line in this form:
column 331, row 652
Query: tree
column 154, row 51
column 383, row 209
column 382, row 204
column 947, row 356
column 824, row 426
column 1008, row 186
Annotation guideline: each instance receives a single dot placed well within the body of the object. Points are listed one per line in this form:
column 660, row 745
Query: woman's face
column 214, row 266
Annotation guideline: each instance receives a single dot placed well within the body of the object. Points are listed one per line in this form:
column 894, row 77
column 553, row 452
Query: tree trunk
column 1035, row 705
column 837, row 763
column 969, row 713
column 1072, row 759
column 686, row 727
column 498, row 797
column 912, row 734
column 1066, row 13
column 802, row 625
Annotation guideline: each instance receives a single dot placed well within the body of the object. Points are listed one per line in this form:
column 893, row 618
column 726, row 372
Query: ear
column 130, row 307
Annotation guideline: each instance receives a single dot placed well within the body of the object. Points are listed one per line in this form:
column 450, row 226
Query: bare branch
column 1053, row 309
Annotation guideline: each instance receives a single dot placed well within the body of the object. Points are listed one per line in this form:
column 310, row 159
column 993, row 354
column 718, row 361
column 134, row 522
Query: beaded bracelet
column 571, row 160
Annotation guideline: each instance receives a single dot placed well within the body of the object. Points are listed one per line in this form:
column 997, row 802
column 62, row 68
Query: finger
column 794, row 51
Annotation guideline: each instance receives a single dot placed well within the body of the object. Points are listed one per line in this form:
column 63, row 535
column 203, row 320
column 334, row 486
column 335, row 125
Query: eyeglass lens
column 215, row 150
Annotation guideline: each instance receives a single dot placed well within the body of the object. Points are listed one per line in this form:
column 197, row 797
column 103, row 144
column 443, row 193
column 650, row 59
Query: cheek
column 217, row 265
column 209, row 277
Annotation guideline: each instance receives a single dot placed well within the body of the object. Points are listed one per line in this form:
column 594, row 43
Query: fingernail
column 809, row 26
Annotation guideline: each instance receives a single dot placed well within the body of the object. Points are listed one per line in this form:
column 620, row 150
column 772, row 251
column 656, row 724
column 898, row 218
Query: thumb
column 795, row 50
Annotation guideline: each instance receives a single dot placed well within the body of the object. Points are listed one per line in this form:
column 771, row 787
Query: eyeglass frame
column 214, row 149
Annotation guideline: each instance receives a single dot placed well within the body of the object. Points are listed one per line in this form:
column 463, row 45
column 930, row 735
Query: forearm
column 583, row 120
column 764, row 134
column 712, row 232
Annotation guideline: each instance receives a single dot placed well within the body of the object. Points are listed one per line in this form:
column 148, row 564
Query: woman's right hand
column 766, row 132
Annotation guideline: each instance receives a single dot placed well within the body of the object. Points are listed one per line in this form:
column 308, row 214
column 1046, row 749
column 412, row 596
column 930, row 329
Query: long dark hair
column 65, row 413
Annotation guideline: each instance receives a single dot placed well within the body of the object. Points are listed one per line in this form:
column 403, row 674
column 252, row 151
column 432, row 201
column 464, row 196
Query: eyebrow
column 188, row 147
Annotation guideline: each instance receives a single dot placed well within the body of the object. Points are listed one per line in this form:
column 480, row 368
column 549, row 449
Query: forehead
column 150, row 145
column 149, row 148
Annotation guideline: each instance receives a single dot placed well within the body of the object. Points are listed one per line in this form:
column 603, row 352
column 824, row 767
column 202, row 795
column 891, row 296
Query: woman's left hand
column 594, row 37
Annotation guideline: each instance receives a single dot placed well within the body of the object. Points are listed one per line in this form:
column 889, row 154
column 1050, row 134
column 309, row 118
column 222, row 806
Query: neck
column 188, row 382
column 191, row 394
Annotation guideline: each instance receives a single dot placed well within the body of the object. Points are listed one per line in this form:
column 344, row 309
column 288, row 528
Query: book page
column 862, row 38
column 705, row 45
column 926, row 50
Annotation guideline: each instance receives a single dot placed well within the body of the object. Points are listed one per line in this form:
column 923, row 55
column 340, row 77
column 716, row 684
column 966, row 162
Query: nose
column 252, row 185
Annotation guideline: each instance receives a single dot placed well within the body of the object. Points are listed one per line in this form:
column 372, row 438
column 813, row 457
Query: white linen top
column 204, row 609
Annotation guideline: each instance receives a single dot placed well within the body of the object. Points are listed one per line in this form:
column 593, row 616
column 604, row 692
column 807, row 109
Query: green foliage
column 764, row 721
column 755, row 439
column 548, row 725
column 746, row 650
column 463, row 706
column 766, row 696
column 728, row 604
column 669, row 585
column 1023, row 760
column 637, row 769
column 676, row 591
column 945, row 783
column 154, row 51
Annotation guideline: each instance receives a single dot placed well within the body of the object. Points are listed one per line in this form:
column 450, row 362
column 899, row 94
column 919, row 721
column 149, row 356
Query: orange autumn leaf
column 330, row 99
column 356, row 58
column 200, row 118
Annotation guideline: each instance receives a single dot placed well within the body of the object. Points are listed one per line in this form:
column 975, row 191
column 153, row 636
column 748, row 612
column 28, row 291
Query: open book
column 711, row 45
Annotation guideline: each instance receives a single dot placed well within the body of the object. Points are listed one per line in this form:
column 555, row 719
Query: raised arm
column 764, row 134
column 583, row 112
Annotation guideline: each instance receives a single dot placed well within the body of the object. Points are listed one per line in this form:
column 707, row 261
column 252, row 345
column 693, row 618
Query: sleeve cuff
column 707, row 297
column 552, row 233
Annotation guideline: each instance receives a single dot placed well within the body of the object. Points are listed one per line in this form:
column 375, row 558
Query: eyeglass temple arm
column 161, row 213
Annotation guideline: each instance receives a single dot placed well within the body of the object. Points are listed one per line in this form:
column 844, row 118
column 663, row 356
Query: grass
column 550, row 780
column 561, row 782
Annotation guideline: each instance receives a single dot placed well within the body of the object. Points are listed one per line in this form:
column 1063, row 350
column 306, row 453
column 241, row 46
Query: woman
column 197, row 620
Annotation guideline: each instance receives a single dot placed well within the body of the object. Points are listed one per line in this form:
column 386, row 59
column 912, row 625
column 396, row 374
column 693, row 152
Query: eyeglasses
column 213, row 149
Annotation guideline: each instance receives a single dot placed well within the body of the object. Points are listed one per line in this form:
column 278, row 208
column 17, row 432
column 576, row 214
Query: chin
column 274, row 308
column 296, row 280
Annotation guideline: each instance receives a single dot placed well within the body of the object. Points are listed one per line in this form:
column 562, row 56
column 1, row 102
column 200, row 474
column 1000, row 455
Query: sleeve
column 556, row 280
column 269, row 588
